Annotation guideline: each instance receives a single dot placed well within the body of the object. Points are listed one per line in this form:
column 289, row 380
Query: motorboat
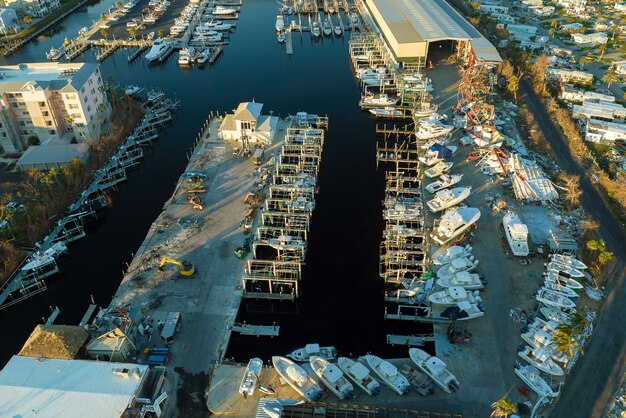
column 42, row 259
column 150, row 36
column 563, row 280
column 223, row 11
column 541, row 359
column 516, row 234
column 218, row 26
column 451, row 253
column 315, row 30
column 420, row 382
column 381, row 99
column 337, row 30
column 386, row 112
column 371, row 72
column 553, row 313
column 204, row 56
column 438, row 169
column 432, row 116
column 401, row 211
column 297, row 378
column 401, row 231
column 150, row 19
column 463, row 311
column 435, row 368
column 568, row 260
column 354, row 18
column 131, row 90
column 425, row 109
column 539, row 334
column 554, row 299
column 205, row 30
column 286, row 243
column 332, row 376
column 376, row 79
column 464, row 279
column 303, row 354
column 251, row 377
column 445, row 181
column 563, row 290
column 447, row 198
column 207, row 38
column 451, row 296
column 457, row 265
column 326, row 28
column 436, row 153
column 184, row 57
column 554, row 266
column 159, row 50
column 388, row 373
column 54, row 54
column 428, row 129
column 532, row 378
column 453, row 223
column 280, row 23
column 281, row 37
column 359, row 374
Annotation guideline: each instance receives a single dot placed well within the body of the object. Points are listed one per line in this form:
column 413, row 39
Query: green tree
column 601, row 52
column 577, row 322
column 512, row 85
column 610, row 77
column 503, row 408
column 553, row 26
column 104, row 32
column 27, row 19
column 565, row 344
column 161, row 33
column 132, row 32
column 584, row 60
column 118, row 4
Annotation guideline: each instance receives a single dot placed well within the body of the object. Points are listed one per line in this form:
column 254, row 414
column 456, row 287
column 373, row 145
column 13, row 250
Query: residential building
column 8, row 20
column 597, row 38
column 600, row 110
column 248, row 125
column 489, row 9
column 571, row 27
column 114, row 345
column 557, row 50
column 521, row 32
column 530, row 3
column 52, row 155
column 570, row 93
column 36, row 8
column 570, row 76
column 534, row 43
column 605, row 132
column 543, row 11
column 503, row 18
column 39, row 101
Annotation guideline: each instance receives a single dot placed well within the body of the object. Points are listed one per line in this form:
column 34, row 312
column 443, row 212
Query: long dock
column 257, row 330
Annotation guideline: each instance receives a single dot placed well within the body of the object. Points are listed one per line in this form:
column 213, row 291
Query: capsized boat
column 516, row 234
column 438, row 169
column 388, row 373
column 447, row 198
column 451, row 296
column 359, row 374
column 445, row 181
column 541, row 359
column 305, row 353
column 532, row 378
column 451, row 253
column 251, row 376
column 464, row 279
column 453, row 223
column 435, row 368
column 563, row 280
column 460, row 264
column 554, row 299
column 463, row 311
column 297, row 378
column 332, row 376
column 568, row 260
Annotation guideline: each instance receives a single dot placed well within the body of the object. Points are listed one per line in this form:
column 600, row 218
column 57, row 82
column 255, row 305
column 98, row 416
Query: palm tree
column 601, row 52
column 503, row 408
column 584, row 60
column 553, row 25
column 610, row 77
column 104, row 32
column 132, row 32
column 577, row 322
column 512, row 85
column 564, row 342
column 118, row 4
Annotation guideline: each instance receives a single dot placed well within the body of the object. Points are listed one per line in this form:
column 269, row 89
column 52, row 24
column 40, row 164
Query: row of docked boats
column 191, row 55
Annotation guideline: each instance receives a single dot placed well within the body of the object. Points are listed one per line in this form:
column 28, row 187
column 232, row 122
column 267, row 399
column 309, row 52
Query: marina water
column 342, row 293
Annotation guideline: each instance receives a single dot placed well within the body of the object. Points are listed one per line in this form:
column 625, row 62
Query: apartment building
column 36, row 8
column 50, row 100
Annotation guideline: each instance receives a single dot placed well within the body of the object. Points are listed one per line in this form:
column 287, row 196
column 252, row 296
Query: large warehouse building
column 410, row 27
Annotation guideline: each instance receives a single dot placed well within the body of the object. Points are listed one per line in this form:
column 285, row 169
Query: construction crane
column 185, row 268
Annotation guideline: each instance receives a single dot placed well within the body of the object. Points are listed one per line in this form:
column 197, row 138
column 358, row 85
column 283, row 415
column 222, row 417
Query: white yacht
column 532, row 378
column 54, row 54
column 453, row 223
column 554, row 314
column 464, row 279
column 563, row 280
column 562, row 290
column 251, row 377
column 451, row 253
column 435, row 368
column 568, row 260
column 337, row 30
column 539, row 334
column 184, row 57
column 297, row 378
column 564, row 270
column 315, row 30
column 382, row 99
column 218, row 26
column 437, row 153
column 541, row 359
column 280, row 23
column 516, row 234
column 359, row 374
column 554, row 299
column 428, row 129
column 457, row 265
column 447, row 198
column 132, row 89
column 438, row 169
column 205, row 30
column 463, row 311
column 332, row 376
column 386, row 112
column 159, row 50
column 326, row 28
column 204, row 56
column 223, row 11
column 371, row 72
column 305, row 353
column 451, row 296
column 445, row 181
column 388, row 373
column 286, row 243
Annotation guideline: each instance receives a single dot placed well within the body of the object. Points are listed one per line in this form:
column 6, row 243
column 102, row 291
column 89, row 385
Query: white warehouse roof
column 42, row 387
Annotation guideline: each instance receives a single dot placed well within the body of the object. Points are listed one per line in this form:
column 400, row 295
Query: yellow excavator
column 185, row 268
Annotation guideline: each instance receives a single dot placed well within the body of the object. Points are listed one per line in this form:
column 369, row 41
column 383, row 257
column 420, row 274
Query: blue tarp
column 441, row 150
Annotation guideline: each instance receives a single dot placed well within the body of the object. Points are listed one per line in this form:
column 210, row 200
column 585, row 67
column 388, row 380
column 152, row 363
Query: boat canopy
column 441, row 150
column 435, row 365
column 388, row 369
column 464, row 277
column 543, row 337
column 312, row 348
column 541, row 355
column 464, row 305
column 458, row 263
column 359, row 371
column 332, row 373
column 457, row 292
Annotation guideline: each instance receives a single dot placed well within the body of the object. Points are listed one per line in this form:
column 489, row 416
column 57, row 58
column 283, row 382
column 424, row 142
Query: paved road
column 597, row 375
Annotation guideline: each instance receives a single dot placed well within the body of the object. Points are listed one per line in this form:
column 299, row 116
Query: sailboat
column 359, row 374
column 516, row 234
column 435, row 368
column 388, row 373
column 297, row 378
column 251, row 377
column 332, row 376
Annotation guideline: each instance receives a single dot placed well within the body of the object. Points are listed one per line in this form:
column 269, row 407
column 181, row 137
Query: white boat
column 419, row 381
column 447, row 198
column 331, row 375
column 205, row 30
column 38, row 260
column 203, row 39
column 563, row 290
column 438, row 169
column 305, row 353
column 388, row 373
column 326, row 28
column 568, row 260
column 563, row 280
column 251, row 377
column 401, row 211
column 371, row 72
column 218, row 26
column 131, row 90
column 463, row 311
column 532, row 378
column 386, row 112
column 539, row 335
column 359, row 374
column 377, row 79
column 54, row 54
column 315, row 30
column 286, row 243
column 464, row 279
column 445, row 181
column 382, row 99
column 281, row 37
column 354, row 18
column 457, row 265
column 184, row 57
column 435, row 368
column 337, row 30
column 150, row 19
column 453, row 223
column 553, row 313
column 297, row 378
column 554, row 299
column 428, row 129
column 451, row 296
column 280, row 23
column 516, row 234
column 554, row 266
column 451, row 253
column 541, row 359
column 204, row 56
column 159, row 50
column 223, row 11
column 434, row 156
